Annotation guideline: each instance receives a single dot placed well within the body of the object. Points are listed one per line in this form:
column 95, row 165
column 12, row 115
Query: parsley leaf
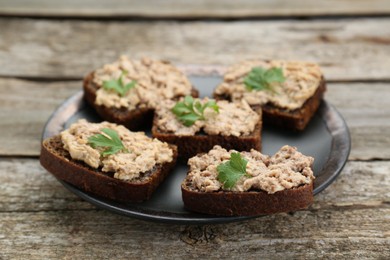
column 109, row 140
column 118, row 85
column 190, row 110
column 261, row 79
column 229, row 172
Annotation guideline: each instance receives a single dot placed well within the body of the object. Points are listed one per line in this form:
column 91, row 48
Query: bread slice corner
column 295, row 120
column 139, row 118
column 55, row 159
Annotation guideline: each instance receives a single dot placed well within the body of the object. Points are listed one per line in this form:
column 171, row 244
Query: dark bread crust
column 249, row 203
column 191, row 145
column 58, row 162
column 136, row 119
column 292, row 119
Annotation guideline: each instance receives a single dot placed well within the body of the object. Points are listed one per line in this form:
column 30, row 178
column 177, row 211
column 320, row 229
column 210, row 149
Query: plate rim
column 338, row 157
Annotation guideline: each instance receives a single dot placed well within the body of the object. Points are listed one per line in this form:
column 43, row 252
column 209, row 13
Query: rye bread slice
column 58, row 162
column 191, row 145
column 249, row 203
column 283, row 183
column 291, row 119
column 139, row 118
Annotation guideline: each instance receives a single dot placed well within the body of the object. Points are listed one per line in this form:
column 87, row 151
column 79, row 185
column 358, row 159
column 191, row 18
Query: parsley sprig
column 231, row 171
column 118, row 85
column 262, row 79
column 190, row 110
column 109, row 139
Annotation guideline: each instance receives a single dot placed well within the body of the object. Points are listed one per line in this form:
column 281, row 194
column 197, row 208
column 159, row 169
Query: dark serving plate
column 326, row 138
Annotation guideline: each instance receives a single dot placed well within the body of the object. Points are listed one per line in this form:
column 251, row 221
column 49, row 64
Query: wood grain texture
column 347, row 49
column 191, row 9
column 27, row 105
column 40, row 219
column 366, row 109
column 101, row 235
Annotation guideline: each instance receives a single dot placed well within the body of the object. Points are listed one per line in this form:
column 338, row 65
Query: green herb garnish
column 229, row 172
column 109, row 140
column 118, row 85
column 190, row 110
column 262, row 79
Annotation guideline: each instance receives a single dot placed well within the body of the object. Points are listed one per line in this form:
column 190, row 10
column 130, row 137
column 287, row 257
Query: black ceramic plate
column 326, row 139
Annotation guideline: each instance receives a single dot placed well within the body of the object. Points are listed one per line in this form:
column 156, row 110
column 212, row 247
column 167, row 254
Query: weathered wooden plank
column 26, row 186
column 39, row 219
column 98, row 234
column 192, row 9
column 367, row 112
column 347, row 49
column 27, row 105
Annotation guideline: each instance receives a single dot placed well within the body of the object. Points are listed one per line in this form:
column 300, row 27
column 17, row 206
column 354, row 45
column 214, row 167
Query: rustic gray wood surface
column 347, row 49
column 42, row 62
column 190, row 9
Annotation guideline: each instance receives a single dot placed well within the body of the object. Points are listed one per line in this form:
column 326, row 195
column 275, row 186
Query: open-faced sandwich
column 127, row 91
column 108, row 160
column 230, row 183
column 196, row 125
column 289, row 92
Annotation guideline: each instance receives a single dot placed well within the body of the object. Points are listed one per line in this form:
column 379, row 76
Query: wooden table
column 47, row 46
